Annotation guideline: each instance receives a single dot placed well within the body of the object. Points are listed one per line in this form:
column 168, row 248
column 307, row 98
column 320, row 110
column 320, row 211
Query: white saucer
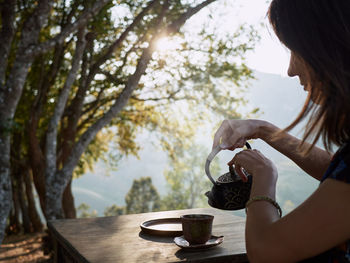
column 213, row 241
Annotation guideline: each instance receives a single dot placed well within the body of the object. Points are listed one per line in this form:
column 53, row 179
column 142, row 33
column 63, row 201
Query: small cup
column 197, row 228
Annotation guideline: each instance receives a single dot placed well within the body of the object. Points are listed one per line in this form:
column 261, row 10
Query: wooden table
column 119, row 239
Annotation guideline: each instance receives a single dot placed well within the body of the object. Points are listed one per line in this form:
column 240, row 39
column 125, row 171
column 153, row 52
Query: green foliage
column 142, row 197
column 84, row 211
column 186, row 179
column 99, row 149
column 114, row 210
column 8, row 127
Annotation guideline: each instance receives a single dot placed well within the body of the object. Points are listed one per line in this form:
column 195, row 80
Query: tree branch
column 119, row 41
column 125, row 58
column 178, row 23
column 83, row 19
column 114, row 79
column 169, row 97
column 95, row 104
column 112, row 48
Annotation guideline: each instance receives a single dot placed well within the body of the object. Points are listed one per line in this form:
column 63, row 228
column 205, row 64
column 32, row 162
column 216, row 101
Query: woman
column 317, row 32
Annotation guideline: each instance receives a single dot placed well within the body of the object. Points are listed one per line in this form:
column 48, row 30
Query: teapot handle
column 211, row 156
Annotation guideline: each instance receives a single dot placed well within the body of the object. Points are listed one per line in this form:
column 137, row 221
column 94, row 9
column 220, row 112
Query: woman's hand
column 233, row 134
column 255, row 163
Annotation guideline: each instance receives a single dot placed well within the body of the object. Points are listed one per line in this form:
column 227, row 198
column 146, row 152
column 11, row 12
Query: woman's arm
column 318, row 224
column 234, row 133
column 315, row 163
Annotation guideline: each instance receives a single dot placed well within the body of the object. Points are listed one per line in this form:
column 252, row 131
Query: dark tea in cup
column 197, row 227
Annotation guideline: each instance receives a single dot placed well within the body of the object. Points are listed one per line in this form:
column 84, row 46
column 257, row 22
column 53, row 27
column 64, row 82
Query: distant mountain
column 279, row 99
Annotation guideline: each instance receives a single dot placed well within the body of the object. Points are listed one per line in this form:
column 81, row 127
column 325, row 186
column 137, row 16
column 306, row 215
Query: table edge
column 65, row 244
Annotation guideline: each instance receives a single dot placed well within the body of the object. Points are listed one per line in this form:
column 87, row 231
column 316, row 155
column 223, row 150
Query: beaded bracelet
column 264, row 198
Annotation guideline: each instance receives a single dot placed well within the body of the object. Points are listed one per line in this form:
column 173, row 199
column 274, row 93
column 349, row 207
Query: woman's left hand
column 256, row 164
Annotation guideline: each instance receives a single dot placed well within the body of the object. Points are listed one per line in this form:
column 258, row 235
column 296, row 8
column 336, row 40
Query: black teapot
column 229, row 192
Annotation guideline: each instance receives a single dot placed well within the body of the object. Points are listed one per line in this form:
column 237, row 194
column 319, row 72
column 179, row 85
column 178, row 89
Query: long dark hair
column 318, row 31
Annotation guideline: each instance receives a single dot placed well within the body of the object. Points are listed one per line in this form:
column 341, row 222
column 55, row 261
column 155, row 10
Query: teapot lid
column 211, row 156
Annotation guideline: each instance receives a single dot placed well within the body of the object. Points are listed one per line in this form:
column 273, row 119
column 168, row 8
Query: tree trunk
column 68, row 202
column 5, row 181
column 17, row 177
column 37, row 164
column 27, row 228
column 36, row 156
column 32, row 212
column 15, row 226
column 51, row 136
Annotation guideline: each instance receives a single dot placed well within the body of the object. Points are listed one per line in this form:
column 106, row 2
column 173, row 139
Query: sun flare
column 165, row 44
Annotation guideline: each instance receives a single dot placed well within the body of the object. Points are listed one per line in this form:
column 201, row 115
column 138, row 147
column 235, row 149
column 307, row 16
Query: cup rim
column 197, row 216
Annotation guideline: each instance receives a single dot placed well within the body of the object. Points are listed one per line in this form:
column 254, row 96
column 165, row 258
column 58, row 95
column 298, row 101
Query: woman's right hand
column 234, row 133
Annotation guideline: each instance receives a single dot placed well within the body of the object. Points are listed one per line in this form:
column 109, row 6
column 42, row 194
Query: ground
column 27, row 248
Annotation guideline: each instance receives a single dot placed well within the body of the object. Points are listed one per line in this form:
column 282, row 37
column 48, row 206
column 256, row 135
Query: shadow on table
column 190, row 255
column 156, row 238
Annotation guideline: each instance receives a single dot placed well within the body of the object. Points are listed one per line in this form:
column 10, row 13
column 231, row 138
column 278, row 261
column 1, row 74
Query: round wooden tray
column 171, row 227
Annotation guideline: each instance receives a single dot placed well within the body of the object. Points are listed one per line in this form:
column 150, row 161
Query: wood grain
column 119, row 239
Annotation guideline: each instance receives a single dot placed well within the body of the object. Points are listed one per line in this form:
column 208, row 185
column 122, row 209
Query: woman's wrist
column 263, row 189
column 264, row 183
column 265, row 129
column 264, row 199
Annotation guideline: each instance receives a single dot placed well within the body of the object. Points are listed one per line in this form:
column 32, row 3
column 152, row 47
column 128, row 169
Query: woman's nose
column 291, row 69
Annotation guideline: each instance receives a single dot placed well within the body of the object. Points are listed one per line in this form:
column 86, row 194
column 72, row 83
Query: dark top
column 339, row 169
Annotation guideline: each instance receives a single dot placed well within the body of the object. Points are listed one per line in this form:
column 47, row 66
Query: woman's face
column 297, row 67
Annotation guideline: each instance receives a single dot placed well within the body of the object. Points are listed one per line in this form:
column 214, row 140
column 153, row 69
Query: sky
column 270, row 55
